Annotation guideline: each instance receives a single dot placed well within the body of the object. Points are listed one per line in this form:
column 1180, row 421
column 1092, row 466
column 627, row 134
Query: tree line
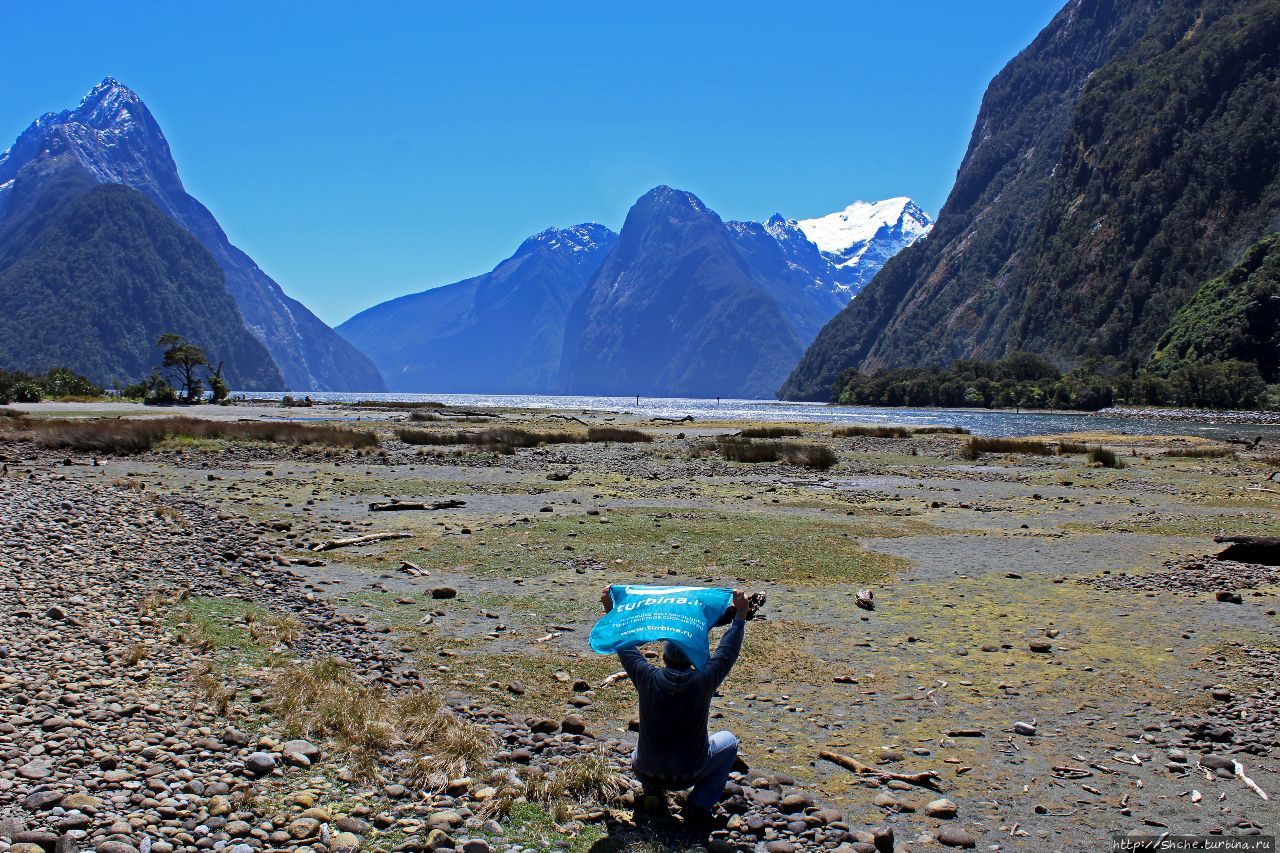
column 1026, row 380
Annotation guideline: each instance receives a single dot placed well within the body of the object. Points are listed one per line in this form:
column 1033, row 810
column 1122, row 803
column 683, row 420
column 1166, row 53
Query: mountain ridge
column 1119, row 161
column 116, row 139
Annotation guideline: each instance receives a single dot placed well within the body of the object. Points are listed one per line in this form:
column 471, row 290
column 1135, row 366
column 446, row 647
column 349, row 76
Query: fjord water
column 977, row 421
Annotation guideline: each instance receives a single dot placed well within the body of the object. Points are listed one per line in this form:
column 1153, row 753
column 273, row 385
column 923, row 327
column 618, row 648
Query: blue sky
column 361, row 151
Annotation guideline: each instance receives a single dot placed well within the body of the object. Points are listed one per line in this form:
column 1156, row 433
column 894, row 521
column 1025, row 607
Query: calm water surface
column 977, row 421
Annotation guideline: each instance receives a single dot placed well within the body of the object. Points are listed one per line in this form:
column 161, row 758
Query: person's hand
column 741, row 603
column 606, row 598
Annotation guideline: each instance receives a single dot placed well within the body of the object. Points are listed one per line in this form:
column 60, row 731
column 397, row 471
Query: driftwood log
column 685, row 419
column 925, row 779
column 358, row 540
column 1250, row 549
column 400, row 506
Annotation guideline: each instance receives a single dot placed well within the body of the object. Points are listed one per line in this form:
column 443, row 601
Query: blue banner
column 645, row 614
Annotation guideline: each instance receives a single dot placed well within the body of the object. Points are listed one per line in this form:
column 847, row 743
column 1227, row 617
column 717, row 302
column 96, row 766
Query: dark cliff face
column 497, row 333
column 675, row 310
column 1118, row 162
column 116, row 140
column 923, row 306
column 91, row 275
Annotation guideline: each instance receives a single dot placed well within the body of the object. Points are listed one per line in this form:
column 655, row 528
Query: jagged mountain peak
column 845, row 235
column 580, row 238
column 669, row 198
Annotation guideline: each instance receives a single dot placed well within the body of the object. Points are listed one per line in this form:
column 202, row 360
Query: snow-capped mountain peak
column 845, row 236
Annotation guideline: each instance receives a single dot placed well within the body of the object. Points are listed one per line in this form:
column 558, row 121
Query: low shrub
column 1071, row 448
column 136, row 435
column 1105, row 457
column 1216, row 451
column 617, row 434
column 871, row 431
column 816, row 456
column 769, row 432
column 978, row 445
column 939, row 430
column 507, row 439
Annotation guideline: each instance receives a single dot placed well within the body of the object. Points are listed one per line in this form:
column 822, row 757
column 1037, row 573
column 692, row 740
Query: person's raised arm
column 726, row 654
column 632, row 660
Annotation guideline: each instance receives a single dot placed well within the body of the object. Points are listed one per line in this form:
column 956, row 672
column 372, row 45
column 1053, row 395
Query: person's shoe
column 699, row 822
column 655, row 805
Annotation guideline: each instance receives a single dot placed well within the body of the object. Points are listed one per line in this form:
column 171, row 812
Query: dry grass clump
column 508, row 439
column 769, row 432
column 880, row 431
column 1216, row 451
column 871, row 431
column 584, row 779
column 939, row 430
column 137, row 435
column 1105, row 457
column 816, row 456
column 274, row 628
column 323, row 698
column 209, row 687
column 134, row 654
column 595, row 434
column 978, row 445
column 1099, row 455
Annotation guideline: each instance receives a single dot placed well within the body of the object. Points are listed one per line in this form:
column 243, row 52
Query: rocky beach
column 236, row 644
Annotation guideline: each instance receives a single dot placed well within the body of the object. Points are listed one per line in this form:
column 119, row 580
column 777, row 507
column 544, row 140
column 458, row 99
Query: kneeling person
column 675, row 750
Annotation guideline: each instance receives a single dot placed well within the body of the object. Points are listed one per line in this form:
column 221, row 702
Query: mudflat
column 1055, row 654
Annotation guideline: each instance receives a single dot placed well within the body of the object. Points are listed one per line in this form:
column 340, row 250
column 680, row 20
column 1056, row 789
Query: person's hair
column 674, row 657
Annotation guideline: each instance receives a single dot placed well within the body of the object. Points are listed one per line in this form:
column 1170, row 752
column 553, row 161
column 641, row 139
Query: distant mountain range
column 112, row 138
column 1119, row 168
column 681, row 304
column 497, row 333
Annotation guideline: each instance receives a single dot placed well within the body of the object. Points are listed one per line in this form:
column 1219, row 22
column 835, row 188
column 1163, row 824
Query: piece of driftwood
column 617, row 676
column 1250, row 549
column 358, row 540
column 1249, row 783
column 685, row 419
column 926, row 779
column 401, row 506
column 573, row 418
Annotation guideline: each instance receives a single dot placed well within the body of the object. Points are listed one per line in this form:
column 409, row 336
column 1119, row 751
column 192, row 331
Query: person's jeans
column 711, row 777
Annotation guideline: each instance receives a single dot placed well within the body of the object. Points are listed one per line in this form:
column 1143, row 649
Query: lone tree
column 184, row 358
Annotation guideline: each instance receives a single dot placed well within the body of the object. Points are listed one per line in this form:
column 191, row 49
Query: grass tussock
column 137, row 435
column 978, row 445
column 1215, row 451
column 324, row 699
column 882, row 431
column 509, row 439
column 273, row 629
column 1105, row 457
column 816, row 456
column 1098, row 455
column 585, row 779
column 209, row 687
column 939, row 430
column 595, row 434
column 769, row 432
column 871, row 431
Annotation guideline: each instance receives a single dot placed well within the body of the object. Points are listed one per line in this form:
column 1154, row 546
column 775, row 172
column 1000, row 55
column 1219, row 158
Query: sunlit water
column 977, row 421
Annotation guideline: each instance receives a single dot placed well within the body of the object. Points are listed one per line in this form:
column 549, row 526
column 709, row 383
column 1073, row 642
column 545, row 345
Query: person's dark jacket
column 674, row 706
